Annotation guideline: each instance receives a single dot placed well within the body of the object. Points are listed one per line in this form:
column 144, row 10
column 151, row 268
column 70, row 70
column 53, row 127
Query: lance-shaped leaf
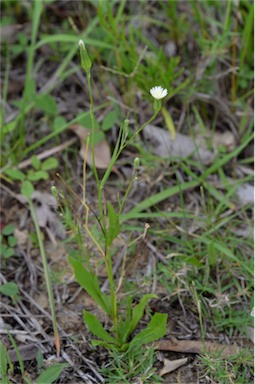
column 154, row 330
column 96, row 328
column 89, row 281
column 137, row 313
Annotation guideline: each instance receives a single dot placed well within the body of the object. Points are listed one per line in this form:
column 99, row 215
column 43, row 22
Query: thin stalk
column 37, row 9
column 46, row 276
column 127, row 192
column 112, row 291
column 92, row 115
column 139, row 130
column 120, row 146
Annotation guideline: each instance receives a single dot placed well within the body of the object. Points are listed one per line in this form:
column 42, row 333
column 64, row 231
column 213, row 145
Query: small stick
column 49, row 152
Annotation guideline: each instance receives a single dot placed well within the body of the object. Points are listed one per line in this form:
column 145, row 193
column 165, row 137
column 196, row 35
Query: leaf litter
column 161, row 143
column 102, row 148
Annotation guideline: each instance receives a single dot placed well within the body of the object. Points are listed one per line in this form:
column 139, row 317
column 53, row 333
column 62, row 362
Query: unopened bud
column 85, row 59
column 54, row 191
column 136, row 162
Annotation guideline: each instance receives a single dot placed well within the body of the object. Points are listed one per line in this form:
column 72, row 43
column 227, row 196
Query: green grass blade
column 157, row 198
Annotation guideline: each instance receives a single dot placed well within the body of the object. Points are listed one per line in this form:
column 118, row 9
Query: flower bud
column 85, row 59
column 54, row 191
column 136, row 162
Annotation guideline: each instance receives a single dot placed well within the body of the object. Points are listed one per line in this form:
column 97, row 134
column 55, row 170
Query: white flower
column 158, row 92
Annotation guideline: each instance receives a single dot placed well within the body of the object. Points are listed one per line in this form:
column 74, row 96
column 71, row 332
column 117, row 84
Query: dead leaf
column 251, row 333
column 197, row 346
column 102, row 149
column 45, row 204
column 42, row 300
column 9, row 33
column 163, row 145
column 21, row 237
column 225, row 139
column 172, row 365
column 27, row 352
column 245, row 194
column 243, row 230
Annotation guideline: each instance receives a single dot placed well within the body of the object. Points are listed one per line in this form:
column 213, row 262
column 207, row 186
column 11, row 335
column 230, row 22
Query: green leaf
column 8, row 230
column 165, row 194
column 109, row 346
column 31, row 87
column 114, row 225
column 7, row 128
column 68, row 38
column 96, row 327
column 50, row 163
column 86, row 122
column 51, row 374
column 109, row 120
column 36, row 163
column 46, row 103
column 5, row 251
column 154, row 330
column 12, row 241
column 15, row 174
column 27, row 189
column 194, row 261
column 90, row 283
column 58, row 122
column 37, row 175
column 3, row 248
column 169, row 122
column 9, row 289
column 138, row 310
column 3, row 360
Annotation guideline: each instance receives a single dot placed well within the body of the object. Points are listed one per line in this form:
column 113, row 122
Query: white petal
column 158, row 92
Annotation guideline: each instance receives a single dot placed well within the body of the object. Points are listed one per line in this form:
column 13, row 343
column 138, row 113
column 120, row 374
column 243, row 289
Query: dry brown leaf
column 27, row 352
column 163, row 145
column 42, row 300
column 250, row 331
column 172, row 365
column 8, row 33
column 225, row 139
column 181, row 146
column 44, row 203
column 102, row 149
column 21, row 237
column 197, row 346
column 245, row 194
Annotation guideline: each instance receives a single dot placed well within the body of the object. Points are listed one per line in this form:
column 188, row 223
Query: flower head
column 158, row 92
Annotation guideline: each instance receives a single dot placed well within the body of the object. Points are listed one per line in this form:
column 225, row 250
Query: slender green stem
column 127, row 192
column 37, row 9
column 107, row 254
column 92, row 115
column 139, row 130
column 120, row 145
column 112, row 291
column 46, row 275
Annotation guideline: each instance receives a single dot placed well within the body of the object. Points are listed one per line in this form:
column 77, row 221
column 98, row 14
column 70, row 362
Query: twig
column 49, row 152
